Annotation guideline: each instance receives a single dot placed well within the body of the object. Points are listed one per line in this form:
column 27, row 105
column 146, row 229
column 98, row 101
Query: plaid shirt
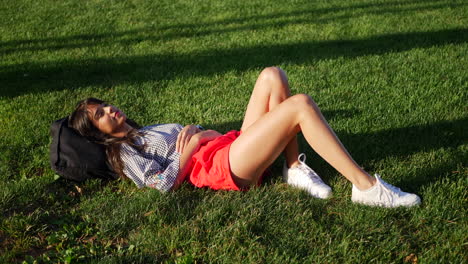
column 157, row 166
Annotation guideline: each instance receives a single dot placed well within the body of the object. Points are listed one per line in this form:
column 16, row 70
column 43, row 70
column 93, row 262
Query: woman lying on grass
column 163, row 156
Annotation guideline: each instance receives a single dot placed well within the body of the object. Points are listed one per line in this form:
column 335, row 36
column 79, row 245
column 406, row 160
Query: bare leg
column 270, row 90
column 258, row 146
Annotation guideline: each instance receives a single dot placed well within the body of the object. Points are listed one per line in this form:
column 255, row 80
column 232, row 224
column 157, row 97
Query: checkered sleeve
column 155, row 172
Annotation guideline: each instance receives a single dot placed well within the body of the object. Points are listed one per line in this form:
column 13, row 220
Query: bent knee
column 272, row 73
column 302, row 99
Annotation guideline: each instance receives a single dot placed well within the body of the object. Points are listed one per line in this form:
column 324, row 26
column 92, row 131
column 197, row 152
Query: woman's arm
column 190, row 149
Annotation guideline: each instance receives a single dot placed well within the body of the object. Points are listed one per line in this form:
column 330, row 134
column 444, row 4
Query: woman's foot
column 303, row 177
column 385, row 195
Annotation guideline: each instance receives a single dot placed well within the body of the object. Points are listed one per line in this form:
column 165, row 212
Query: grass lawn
column 390, row 76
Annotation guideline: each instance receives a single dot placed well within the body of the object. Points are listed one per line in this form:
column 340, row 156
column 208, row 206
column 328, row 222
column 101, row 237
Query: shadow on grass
column 398, row 142
column 107, row 72
column 310, row 15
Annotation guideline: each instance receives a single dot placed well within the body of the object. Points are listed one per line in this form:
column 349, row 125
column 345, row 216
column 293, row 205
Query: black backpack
column 76, row 158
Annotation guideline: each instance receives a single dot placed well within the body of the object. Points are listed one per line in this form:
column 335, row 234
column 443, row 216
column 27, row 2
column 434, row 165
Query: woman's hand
column 184, row 137
column 208, row 135
column 189, row 149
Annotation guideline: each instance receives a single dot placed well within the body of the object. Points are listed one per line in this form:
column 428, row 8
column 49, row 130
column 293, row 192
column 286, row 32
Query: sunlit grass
column 390, row 76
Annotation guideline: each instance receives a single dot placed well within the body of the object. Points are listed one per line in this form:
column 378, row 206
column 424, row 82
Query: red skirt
column 210, row 164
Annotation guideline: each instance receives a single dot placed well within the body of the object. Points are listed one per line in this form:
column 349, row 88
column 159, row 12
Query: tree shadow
column 406, row 141
column 396, row 142
column 309, row 15
column 107, row 72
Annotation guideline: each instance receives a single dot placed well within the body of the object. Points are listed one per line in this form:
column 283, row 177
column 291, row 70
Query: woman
column 163, row 156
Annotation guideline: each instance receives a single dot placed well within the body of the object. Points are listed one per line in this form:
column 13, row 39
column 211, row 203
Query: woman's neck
column 123, row 131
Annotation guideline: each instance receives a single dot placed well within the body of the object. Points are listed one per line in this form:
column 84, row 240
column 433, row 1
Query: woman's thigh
column 257, row 147
column 271, row 88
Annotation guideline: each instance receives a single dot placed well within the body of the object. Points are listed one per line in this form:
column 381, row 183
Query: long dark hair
column 80, row 120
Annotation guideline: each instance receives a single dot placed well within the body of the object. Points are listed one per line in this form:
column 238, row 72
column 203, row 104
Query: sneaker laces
column 386, row 190
column 388, row 186
column 303, row 166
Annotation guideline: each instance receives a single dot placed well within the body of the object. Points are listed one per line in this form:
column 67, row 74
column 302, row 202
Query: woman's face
column 108, row 119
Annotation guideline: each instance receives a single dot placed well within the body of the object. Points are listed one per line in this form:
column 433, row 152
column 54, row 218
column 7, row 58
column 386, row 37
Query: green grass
column 390, row 76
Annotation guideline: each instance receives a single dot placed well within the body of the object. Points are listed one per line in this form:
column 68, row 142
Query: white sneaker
column 385, row 195
column 303, row 177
